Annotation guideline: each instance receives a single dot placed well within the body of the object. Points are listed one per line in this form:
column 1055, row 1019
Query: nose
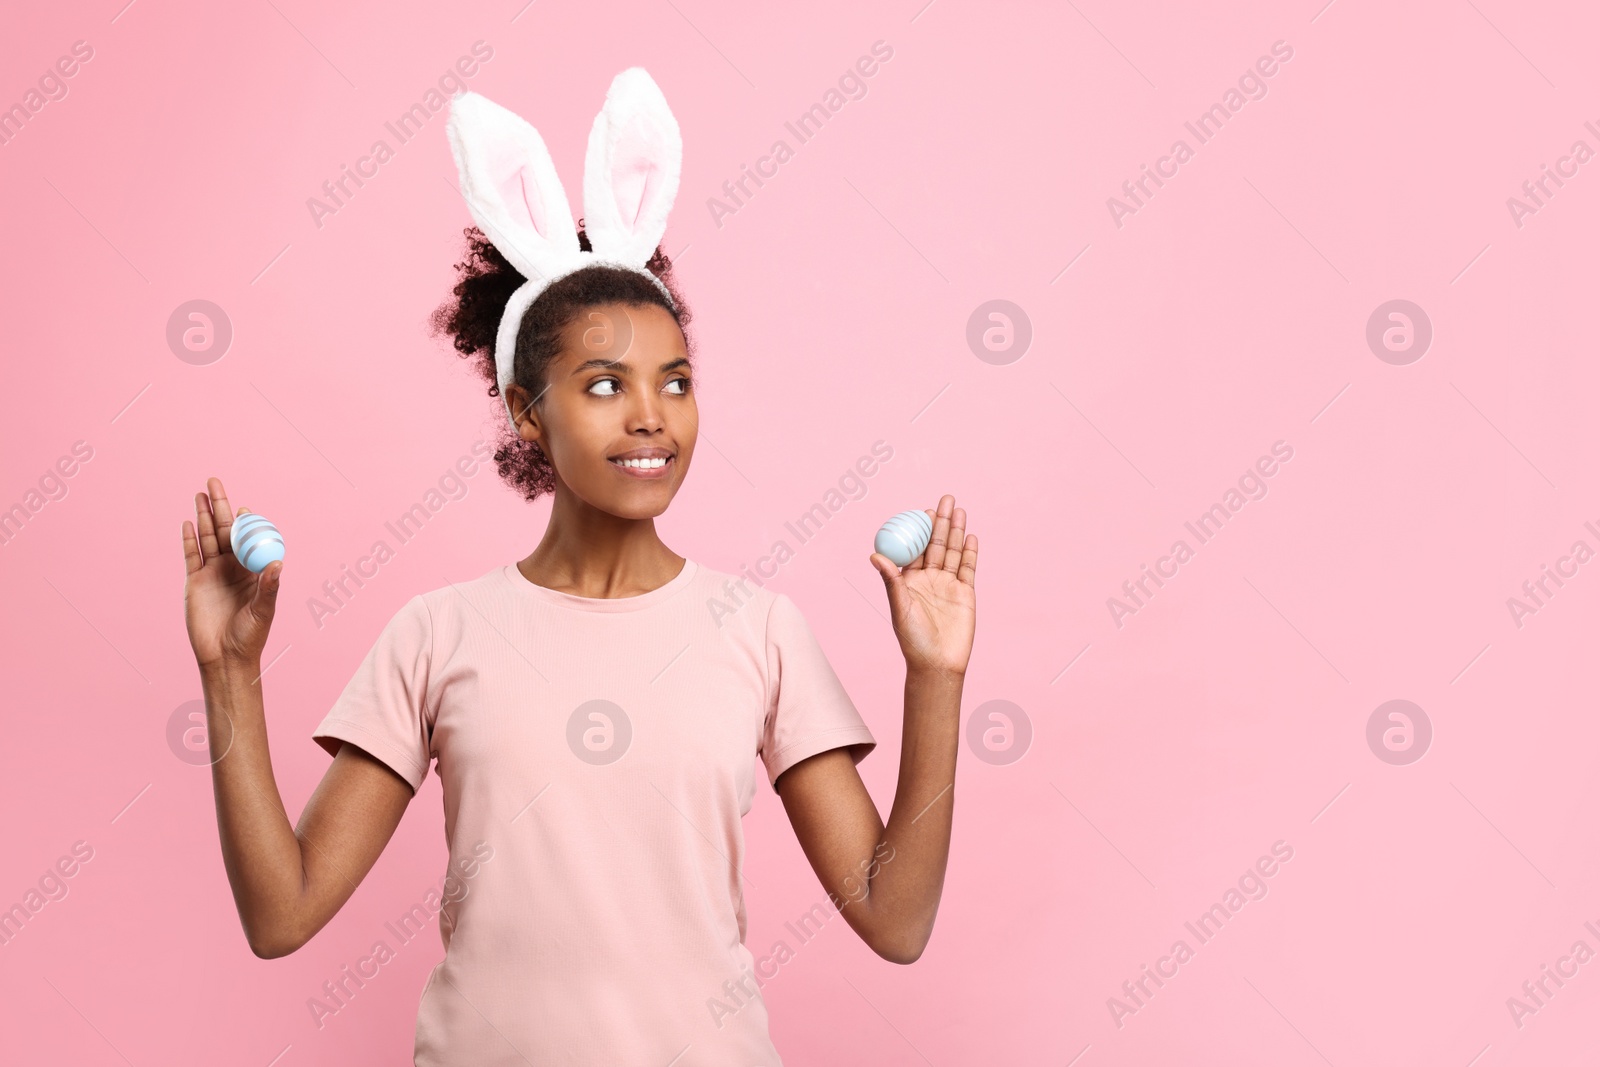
column 647, row 412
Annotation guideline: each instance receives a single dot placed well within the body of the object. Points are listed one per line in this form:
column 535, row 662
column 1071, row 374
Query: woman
column 595, row 711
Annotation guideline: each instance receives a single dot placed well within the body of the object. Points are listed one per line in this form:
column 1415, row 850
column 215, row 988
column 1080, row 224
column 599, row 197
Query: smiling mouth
column 644, row 468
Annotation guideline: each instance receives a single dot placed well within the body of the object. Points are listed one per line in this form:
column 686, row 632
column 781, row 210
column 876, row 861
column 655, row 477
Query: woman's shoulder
column 741, row 596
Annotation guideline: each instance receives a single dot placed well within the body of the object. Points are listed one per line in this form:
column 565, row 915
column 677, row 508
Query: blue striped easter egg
column 256, row 542
column 904, row 537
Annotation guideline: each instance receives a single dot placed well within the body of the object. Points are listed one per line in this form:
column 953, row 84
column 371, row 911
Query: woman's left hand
column 932, row 603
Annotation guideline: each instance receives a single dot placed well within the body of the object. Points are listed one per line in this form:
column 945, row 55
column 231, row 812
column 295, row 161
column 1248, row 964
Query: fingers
column 968, row 571
column 208, row 529
column 933, row 557
column 916, row 561
column 265, row 603
column 958, row 538
column 950, row 548
column 886, row 568
column 191, row 549
column 222, row 513
column 214, row 521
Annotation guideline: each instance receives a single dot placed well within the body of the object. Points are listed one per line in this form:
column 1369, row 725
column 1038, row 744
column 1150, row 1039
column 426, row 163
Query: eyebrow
column 622, row 368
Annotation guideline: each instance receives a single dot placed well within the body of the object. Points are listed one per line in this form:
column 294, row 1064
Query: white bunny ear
column 510, row 186
column 630, row 174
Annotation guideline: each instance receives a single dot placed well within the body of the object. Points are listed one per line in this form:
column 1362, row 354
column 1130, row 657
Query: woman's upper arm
column 834, row 819
column 343, row 830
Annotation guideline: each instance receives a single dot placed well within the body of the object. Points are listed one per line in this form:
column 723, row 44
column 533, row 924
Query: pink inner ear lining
column 534, row 202
column 518, row 189
column 633, row 188
column 635, row 170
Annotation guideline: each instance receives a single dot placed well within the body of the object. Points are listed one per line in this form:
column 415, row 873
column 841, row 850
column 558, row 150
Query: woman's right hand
column 228, row 609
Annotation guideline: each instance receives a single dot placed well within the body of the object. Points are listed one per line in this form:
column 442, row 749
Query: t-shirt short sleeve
column 808, row 710
column 383, row 708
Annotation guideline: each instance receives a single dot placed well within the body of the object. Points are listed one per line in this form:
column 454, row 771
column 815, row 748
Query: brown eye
column 604, row 381
column 680, row 381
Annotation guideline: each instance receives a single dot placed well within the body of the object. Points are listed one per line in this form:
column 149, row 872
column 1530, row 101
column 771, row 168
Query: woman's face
column 619, row 391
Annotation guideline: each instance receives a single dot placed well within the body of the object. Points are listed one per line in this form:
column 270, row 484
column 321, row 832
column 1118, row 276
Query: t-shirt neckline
column 573, row 602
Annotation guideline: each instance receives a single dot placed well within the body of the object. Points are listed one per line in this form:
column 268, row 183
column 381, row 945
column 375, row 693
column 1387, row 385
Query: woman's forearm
column 260, row 849
column 902, row 897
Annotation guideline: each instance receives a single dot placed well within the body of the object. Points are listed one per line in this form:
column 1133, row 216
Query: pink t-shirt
column 600, row 753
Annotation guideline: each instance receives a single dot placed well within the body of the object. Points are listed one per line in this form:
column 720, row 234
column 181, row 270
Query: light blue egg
column 256, row 542
column 904, row 537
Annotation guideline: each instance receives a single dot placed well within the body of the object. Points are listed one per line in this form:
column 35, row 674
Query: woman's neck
column 601, row 559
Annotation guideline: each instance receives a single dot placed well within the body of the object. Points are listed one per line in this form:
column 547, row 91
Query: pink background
column 832, row 311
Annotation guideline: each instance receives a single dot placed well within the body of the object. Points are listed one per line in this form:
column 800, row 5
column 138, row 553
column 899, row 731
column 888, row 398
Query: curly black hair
column 486, row 280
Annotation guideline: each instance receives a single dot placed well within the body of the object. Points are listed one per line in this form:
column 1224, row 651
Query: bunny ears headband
column 630, row 178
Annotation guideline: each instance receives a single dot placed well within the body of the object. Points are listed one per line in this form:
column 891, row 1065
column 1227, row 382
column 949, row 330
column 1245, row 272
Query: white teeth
column 642, row 464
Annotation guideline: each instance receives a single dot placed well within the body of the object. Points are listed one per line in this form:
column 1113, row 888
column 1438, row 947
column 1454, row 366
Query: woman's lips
column 645, row 472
